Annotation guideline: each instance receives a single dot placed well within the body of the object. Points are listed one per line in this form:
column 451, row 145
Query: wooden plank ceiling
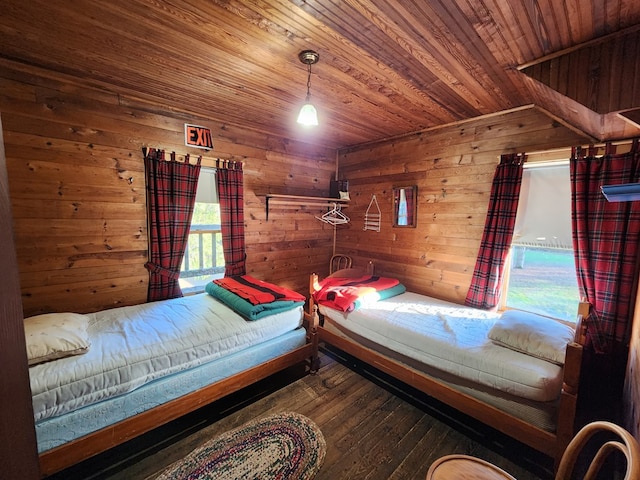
column 386, row 68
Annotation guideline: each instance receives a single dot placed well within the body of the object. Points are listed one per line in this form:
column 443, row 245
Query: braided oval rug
column 280, row 446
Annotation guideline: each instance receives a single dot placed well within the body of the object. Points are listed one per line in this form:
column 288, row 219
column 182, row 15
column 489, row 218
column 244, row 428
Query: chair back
column 338, row 262
column 624, row 443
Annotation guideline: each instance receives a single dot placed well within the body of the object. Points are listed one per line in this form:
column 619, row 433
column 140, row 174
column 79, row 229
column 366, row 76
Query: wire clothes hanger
column 335, row 216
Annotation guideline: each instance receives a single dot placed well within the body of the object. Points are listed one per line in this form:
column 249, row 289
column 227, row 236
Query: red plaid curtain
column 171, row 195
column 231, row 197
column 410, row 206
column 605, row 241
column 484, row 291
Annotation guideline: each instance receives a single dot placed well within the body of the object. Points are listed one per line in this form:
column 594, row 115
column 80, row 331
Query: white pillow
column 533, row 335
column 56, row 335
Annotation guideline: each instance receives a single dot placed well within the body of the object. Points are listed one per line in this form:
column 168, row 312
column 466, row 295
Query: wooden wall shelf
column 276, row 199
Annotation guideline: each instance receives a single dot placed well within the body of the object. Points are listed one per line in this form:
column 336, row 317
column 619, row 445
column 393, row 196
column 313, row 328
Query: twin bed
column 101, row 379
column 515, row 371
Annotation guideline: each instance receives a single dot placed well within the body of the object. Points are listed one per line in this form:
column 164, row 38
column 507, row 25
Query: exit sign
column 197, row 136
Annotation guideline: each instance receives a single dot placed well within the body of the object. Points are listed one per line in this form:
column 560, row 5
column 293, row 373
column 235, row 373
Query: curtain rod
column 564, row 153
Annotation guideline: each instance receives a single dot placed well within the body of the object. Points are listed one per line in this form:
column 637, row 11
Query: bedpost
column 315, row 359
column 565, row 428
column 567, row 408
column 313, row 321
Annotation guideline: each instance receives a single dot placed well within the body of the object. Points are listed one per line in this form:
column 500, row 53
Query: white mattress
column 131, row 346
column 55, row 431
column 452, row 338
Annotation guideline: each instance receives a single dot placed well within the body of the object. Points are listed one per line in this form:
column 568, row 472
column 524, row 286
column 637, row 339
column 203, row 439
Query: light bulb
column 308, row 115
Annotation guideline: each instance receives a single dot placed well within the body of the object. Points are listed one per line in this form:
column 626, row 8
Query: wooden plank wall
column 76, row 179
column 631, row 391
column 453, row 168
column 19, row 452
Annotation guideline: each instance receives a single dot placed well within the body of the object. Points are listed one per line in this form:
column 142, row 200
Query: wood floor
column 373, row 429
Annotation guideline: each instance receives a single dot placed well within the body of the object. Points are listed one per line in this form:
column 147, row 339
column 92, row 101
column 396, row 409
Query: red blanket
column 257, row 291
column 341, row 293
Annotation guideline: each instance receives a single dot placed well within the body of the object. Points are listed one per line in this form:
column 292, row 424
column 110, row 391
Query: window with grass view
column 204, row 258
column 542, row 274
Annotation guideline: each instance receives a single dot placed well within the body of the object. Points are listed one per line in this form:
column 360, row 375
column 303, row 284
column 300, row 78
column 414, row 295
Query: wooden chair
column 338, row 262
column 625, row 443
column 466, row 467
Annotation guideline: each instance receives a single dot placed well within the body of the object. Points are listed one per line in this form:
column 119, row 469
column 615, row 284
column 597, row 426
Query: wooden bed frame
column 73, row 452
column 549, row 443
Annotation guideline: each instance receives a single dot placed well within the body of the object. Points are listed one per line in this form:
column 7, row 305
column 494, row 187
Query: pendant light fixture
column 308, row 115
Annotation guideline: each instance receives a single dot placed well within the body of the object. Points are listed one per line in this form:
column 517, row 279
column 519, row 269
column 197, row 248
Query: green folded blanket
column 373, row 297
column 245, row 308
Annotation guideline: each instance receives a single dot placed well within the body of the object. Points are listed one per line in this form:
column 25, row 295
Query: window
column 541, row 276
column 402, row 208
column 204, row 258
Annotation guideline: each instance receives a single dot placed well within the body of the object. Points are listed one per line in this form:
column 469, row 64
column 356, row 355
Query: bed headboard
column 349, row 273
column 354, row 272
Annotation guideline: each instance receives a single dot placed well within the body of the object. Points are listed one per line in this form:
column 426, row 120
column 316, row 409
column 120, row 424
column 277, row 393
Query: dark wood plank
column 374, row 428
column 79, row 202
column 386, row 68
column 18, row 455
column 54, row 460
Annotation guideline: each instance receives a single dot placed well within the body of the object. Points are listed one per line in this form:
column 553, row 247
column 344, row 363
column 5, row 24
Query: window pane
column 204, row 257
column 402, row 208
column 543, row 281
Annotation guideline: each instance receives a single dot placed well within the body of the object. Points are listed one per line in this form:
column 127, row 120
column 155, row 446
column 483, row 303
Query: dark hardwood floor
column 374, row 428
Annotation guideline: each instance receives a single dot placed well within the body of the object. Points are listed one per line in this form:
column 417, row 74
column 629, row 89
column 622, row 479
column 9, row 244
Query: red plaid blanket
column 342, row 293
column 257, row 291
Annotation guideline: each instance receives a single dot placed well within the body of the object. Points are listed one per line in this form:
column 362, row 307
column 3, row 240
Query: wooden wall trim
column 461, row 123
